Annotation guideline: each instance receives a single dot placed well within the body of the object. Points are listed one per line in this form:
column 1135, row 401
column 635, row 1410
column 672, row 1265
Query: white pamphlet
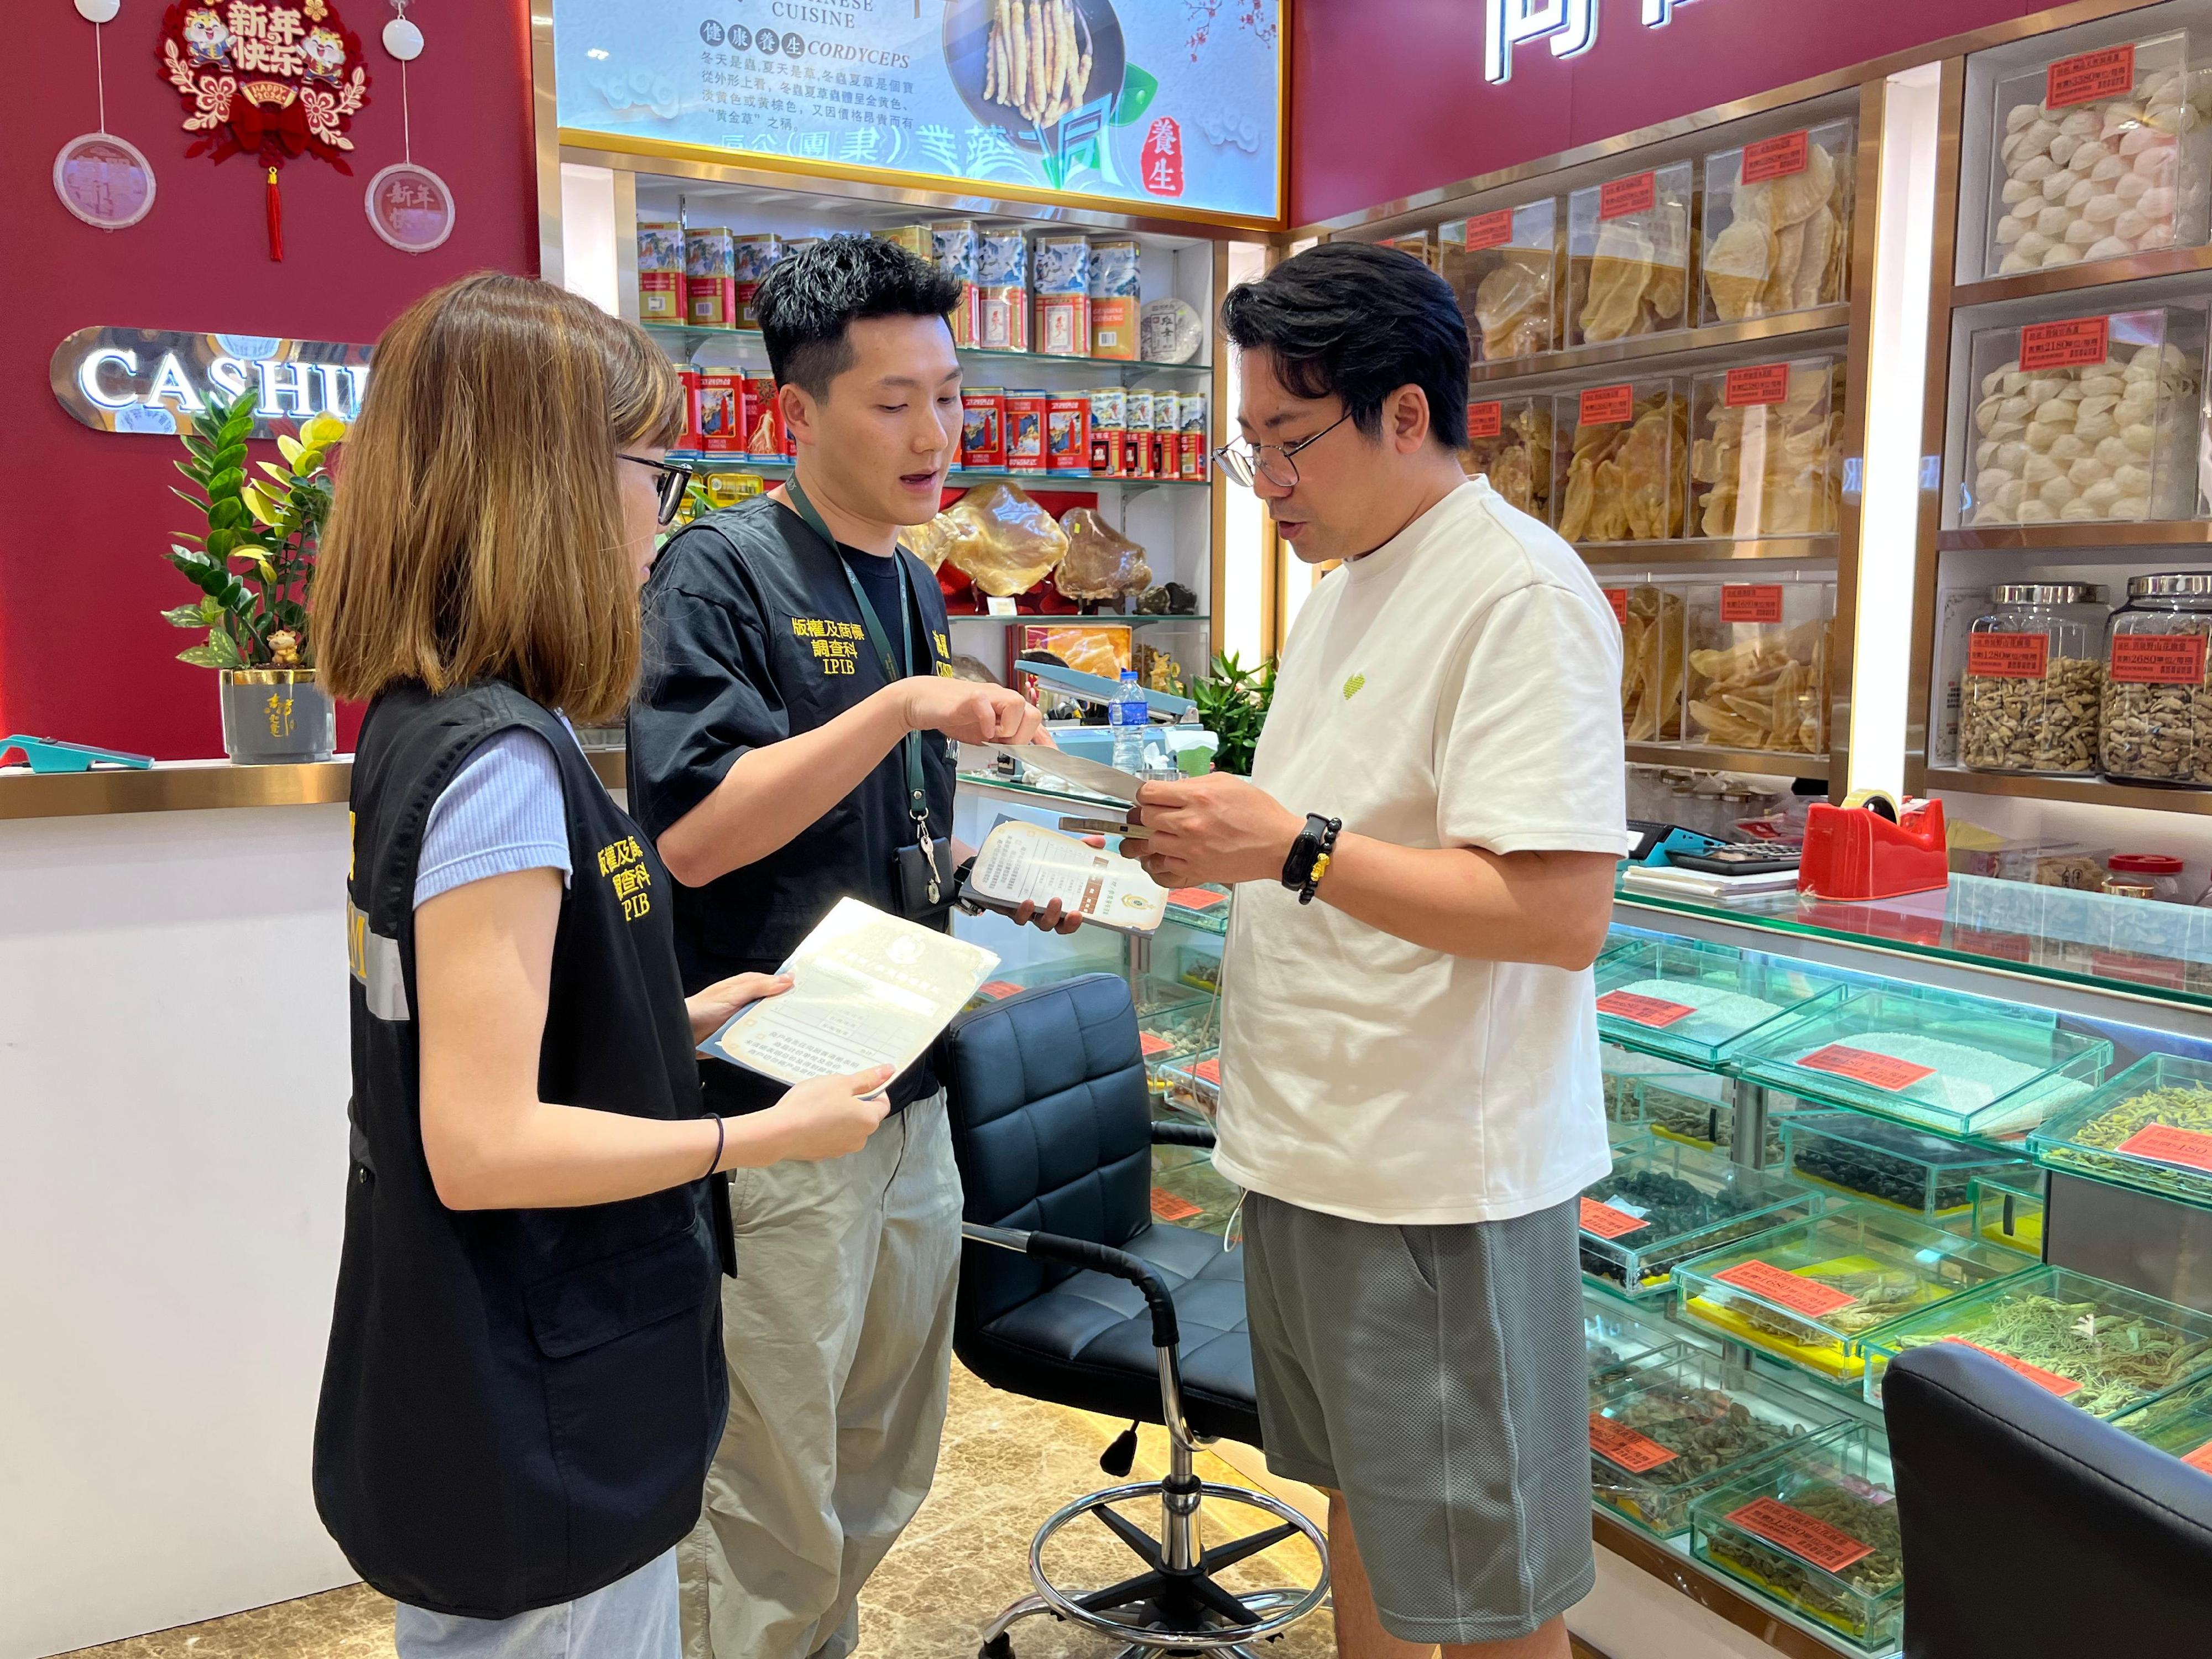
column 869, row 989
column 1020, row 862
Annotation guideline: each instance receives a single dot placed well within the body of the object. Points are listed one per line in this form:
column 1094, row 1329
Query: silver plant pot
column 276, row 717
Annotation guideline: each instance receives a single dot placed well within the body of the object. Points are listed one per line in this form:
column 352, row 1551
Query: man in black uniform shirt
column 795, row 659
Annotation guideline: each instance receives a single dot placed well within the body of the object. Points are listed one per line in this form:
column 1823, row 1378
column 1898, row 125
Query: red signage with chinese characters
column 2008, row 656
column 1879, row 1071
column 1751, row 602
column 1489, row 230
column 1774, row 158
column 1160, row 165
column 1747, row 388
column 1621, row 1445
column 1786, row 1289
column 1619, row 197
column 1806, row 1537
column 1606, row 1222
column 2106, row 74
column 2076, row 345
column 2158, row 658
column 1484, row 419
column 1607, row 405
column 1643, row 1010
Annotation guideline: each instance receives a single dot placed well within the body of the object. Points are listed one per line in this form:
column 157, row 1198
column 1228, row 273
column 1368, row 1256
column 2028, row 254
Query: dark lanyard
column 917, row 796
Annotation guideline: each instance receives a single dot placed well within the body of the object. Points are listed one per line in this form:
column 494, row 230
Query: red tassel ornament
column 275, row 218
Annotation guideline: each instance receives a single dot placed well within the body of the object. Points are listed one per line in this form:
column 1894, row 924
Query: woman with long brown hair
column 525, row 1382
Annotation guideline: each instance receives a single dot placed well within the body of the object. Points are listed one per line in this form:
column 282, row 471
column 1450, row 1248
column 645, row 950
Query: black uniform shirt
column 753, row 636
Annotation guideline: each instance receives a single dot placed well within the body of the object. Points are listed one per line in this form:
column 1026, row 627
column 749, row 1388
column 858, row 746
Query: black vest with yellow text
column 519, row 1406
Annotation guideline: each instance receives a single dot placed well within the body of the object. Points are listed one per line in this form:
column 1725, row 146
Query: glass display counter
column 1664, row 1202
column 1814, row 1294
column 1618, row 1342
column 2009, row 1210
column 1692, row 1001
column 1874, row 1160
column 2180, row 1424
column 2148, row 1127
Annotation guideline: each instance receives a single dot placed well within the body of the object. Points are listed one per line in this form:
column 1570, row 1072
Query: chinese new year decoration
column 266, row 80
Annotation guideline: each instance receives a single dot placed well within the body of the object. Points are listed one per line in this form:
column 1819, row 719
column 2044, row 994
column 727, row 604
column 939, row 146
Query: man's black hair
column 809, row 299
column 1360, row 321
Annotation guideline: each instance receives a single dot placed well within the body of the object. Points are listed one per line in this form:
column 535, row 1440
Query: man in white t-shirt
column 1423, row 860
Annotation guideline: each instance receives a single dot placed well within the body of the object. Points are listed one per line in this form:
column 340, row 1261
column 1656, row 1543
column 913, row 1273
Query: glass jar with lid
column 2145, row 875
column 2156, row 723
column 2035, row 672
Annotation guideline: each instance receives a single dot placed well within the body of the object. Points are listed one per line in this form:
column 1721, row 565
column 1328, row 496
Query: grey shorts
column 1434, row 1376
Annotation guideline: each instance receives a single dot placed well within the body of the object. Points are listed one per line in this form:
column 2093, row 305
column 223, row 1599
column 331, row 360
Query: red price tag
column 1641, row 1010
column 1617, row 598
column 1489, row 230
column 1607, row 405
column 2077, row 345
column 2138, row 968
column 1619, row 197
column 1484, row 419
column 1196, row 898
column 1768, row 383
column 1160, row 164
column 1881, row 1071
column 1622, row 1446
column 2106, row 74
column 1606, row 1222
column 2008, row 656
column 998, row 989
column 1774, row 158
column 2158, row 658
column 2050, row 1381
column 1786, row 1289
column 1208, row 1070
column 2201, row 1459
column 1169, row 1207
column 2168, row 1145
column 1149, row 1045
column 1805, row 1536
column 1751, row 602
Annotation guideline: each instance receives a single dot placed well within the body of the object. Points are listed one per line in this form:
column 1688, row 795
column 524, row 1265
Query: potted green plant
column 1232, row 703
column 253, row 564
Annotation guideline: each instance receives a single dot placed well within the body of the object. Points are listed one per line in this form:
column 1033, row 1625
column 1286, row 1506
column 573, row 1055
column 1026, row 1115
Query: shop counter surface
column 200, row 786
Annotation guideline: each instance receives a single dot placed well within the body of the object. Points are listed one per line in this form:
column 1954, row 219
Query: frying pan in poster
column 967, row 53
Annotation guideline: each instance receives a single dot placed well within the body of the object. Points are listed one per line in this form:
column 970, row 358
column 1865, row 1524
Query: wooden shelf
column 1801, row 329
column 2088, row 791
column 1700, row 758
column 2071, row 538
column 2077, row 278
column 1709, row 549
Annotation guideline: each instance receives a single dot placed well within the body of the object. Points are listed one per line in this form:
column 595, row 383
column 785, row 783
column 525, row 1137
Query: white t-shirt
column 1459, row 686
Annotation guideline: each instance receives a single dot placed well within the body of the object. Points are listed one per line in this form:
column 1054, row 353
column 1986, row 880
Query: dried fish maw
column 1653, row 711
column 931, row 543
column 1649, row 462
column 1619, row 271
column 1512, row 306
column 1782, row 282
column 1724, row 727
column 1581, row 497
column 1820, row 233
column 1668, row 290
column 1003, row 541
column 1737, row 267
column 1795, row 197
column 1102, row 563
column 1718, row 517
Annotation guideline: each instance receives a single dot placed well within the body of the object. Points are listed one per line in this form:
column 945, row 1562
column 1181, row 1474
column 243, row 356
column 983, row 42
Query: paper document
column 868, row 989
column 1021, row 861
column 1047, row 768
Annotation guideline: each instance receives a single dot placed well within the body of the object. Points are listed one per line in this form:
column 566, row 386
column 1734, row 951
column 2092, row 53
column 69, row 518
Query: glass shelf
column 1664, row 1202
column 691, row 337
column 2149, row 1128
column 1693, row 1001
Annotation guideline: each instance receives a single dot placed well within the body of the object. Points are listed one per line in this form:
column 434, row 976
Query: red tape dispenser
column 1871, row 851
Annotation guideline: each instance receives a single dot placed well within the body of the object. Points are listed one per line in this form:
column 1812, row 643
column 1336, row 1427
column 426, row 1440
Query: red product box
column 692, row 439
column 1024, row 429
column 983, row 427
column 764, row 433
column 723, row 415
column 1063, row 326
column 1068, row 433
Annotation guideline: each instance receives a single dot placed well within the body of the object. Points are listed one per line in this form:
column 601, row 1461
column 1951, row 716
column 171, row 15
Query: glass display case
column 1813, row 1293
column 1665, row 1097
column 1624, row 475
column 1698, row 1002
column 1888, row 1163
column 2180, row 1424
column 1506, row 267
column 1193, row 1083
column 1766, row 456
column 2087, row 420
column 2150, row 1127
column 1618, row 1344
column 1672, row 1431
column 2155, row 722
column 1778, row 223
column 1655, row 671
column 2100, row 155
column 1815, row 1530
column 2034, row 676
column 1181, row 1024
column 1958, row 1064
column 1664, row 1202
column 1759, row 663
column 2095, row 1345
column 2009, row 1210
column 1628, row 255
column 1509, row 441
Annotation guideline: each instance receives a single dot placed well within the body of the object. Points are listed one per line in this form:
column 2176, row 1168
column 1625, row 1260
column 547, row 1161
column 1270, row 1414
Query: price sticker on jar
column 1484, row 421
column 1653, row 1012
column 2007, row 656
column 1489, row 230
column 1749, row 388
column 1774, row 158
column 2070, row 80
column 1805, row 1536
column 1606, row 1222
column 2080, row 344
column 2164, row 1144
column 2157, row 660
column 1623, row 1448
column 1607, row 405
column 1883, row 1072
column 1785, row 1289
column 1619, row 197
column 1751, row 602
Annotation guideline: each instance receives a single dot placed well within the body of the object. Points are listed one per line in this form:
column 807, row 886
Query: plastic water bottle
column 1129, row 714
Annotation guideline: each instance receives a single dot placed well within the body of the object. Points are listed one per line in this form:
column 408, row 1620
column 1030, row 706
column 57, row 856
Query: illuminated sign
column 1570, row 25
column 154, row 380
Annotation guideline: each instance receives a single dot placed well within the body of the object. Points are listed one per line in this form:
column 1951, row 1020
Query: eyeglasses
column 669, row 484
column 1243, row 461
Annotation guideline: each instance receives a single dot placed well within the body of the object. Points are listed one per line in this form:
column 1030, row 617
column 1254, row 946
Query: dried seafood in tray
column 1767, row 688
column 1622, row 477
column 2149, row 1128
column 1768, row 457
column 1628, row 248
column 1505, row 268
column 1509, row 441
column 1777, row 218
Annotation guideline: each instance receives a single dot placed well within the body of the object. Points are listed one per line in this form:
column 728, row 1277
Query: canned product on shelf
column 2155, row 721
column 661, row 272
column 2035, row 680
column 710, row 278
column 1767, row 457
column 1623, row 476
column 1628, row 255
column 1504, row 266
column 1778, row 223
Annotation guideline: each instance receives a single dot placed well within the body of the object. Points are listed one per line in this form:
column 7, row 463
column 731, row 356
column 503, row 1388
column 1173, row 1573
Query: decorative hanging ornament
column 266, row 79
column 407, row 205
column 105, row 180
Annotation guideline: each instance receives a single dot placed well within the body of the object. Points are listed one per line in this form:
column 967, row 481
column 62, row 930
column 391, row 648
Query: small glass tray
column 1664, row 1202
column 1673, row 1432
column 1815, row 1531
column 1812, row 1294
column 1694, row 1001
column 1889, row 1164
column 1193, row 1083
column 1173, row 1033
column 2103, row 1347
column 1958, row 1064
column 1206, row 910
column 2149, row 1128
column 1619, row 1343
column 2009, row 1210
column 2180, row 1424
column 1186, row 1191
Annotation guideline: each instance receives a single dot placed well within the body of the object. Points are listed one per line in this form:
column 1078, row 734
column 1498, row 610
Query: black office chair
column 1070, row 1291
column 2031, row 1529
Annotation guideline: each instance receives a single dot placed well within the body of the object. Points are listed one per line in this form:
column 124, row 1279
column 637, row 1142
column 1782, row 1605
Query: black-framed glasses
column 1243, row 461
column 670, row 481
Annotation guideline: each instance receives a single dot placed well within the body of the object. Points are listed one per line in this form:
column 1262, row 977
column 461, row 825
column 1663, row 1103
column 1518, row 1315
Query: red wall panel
column 84, row 515
column 1391, row 101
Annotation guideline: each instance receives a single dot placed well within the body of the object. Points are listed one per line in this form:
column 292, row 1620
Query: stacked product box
column 751, row 256
column 983, row 427
column 765, row 437
column 1137, row 438
column 1002, row 291
column 710, row 278
column 1167, row 423
column 1109, row 427
column 723, row 425
column 1116, row 295
column 1027, row 410
column 1060, row 275
column 953, row 251
column 1068, row 433
column 661, row 257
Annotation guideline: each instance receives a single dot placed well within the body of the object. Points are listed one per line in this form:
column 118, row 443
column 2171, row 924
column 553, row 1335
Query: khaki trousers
column 838, row 1330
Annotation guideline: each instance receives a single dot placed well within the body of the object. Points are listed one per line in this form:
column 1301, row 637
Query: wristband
column 1310, row 855
column 720, row 1131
